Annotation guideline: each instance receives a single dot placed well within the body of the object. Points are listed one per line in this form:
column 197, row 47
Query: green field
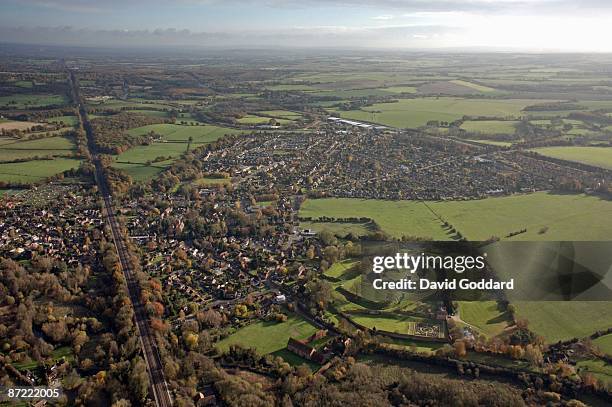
column 411, row 113
column 175, row 132
column 600, row 369
column 26, row 101
column 35, row 171
column 596, row 156
column 283, row 114
column 604, row 343
column 338, row 269
column 484, row 315
column 50, row 146
column 337, row 228
column 268, row 337
column 397, row 218
column 141, row 172
column 133, row 161
column 154, row 113
column 568, row 217
column 490, row 126
column 252, row 119
column 563, row 320
column 201, row 182
column 493, row 142
column 68, row 120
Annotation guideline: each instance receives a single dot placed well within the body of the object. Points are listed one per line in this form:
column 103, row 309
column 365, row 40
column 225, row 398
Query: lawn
column 50, row 146
column 484, row 315
column 35, row 171
column 563, row 320
column 596, row 156
column 268, row 337
column 26, row 101
column 412, row 113
column 568, row 217
column 604, row 343
column 490, row 126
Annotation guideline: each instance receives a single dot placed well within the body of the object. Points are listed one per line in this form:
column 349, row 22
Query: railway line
column 158, row 385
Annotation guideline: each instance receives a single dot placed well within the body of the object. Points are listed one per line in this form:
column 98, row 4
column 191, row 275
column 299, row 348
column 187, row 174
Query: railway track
column 158, row 384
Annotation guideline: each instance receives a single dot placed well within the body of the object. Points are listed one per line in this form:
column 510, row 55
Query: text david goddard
column 452, row 284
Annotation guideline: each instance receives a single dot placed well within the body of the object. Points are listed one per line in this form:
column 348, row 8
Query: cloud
column 319, row 36
column 383, row 17
column 476, row 6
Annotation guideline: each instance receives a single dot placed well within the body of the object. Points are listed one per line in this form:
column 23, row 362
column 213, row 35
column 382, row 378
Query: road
column 159, row 386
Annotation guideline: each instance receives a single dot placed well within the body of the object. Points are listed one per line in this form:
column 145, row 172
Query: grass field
column 51, row 146
column 596, row 156
column 490, row 126
column 600, row 369
column 175, row 132
column 337, row 269
column 67, row 120
column 26, row 101
column 397, row 218
column 337, row 228
column 493, row 142
column 563, row 320
column 34, row 171
column 484, row 315
column 283, row 114
column 411, row 113
column 568, row 217
column 268, row 337
column 133, row 161
column 201, row 182
column 604, row 343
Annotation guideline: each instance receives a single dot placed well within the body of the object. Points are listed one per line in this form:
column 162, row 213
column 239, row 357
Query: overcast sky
column 532, row 25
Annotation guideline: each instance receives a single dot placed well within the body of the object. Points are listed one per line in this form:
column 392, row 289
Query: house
column 305, row 351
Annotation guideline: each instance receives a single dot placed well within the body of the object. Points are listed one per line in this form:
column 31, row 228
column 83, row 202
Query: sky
column 521, row 25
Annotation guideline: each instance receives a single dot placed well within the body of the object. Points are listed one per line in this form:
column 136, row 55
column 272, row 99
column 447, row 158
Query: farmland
column 568, row 217
column 490, row 126
column 28, row 101
column 50, row 146
column 35, row 171
column 596, row 156
column 412, row 113
column 563, row 320
column 137, row 160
